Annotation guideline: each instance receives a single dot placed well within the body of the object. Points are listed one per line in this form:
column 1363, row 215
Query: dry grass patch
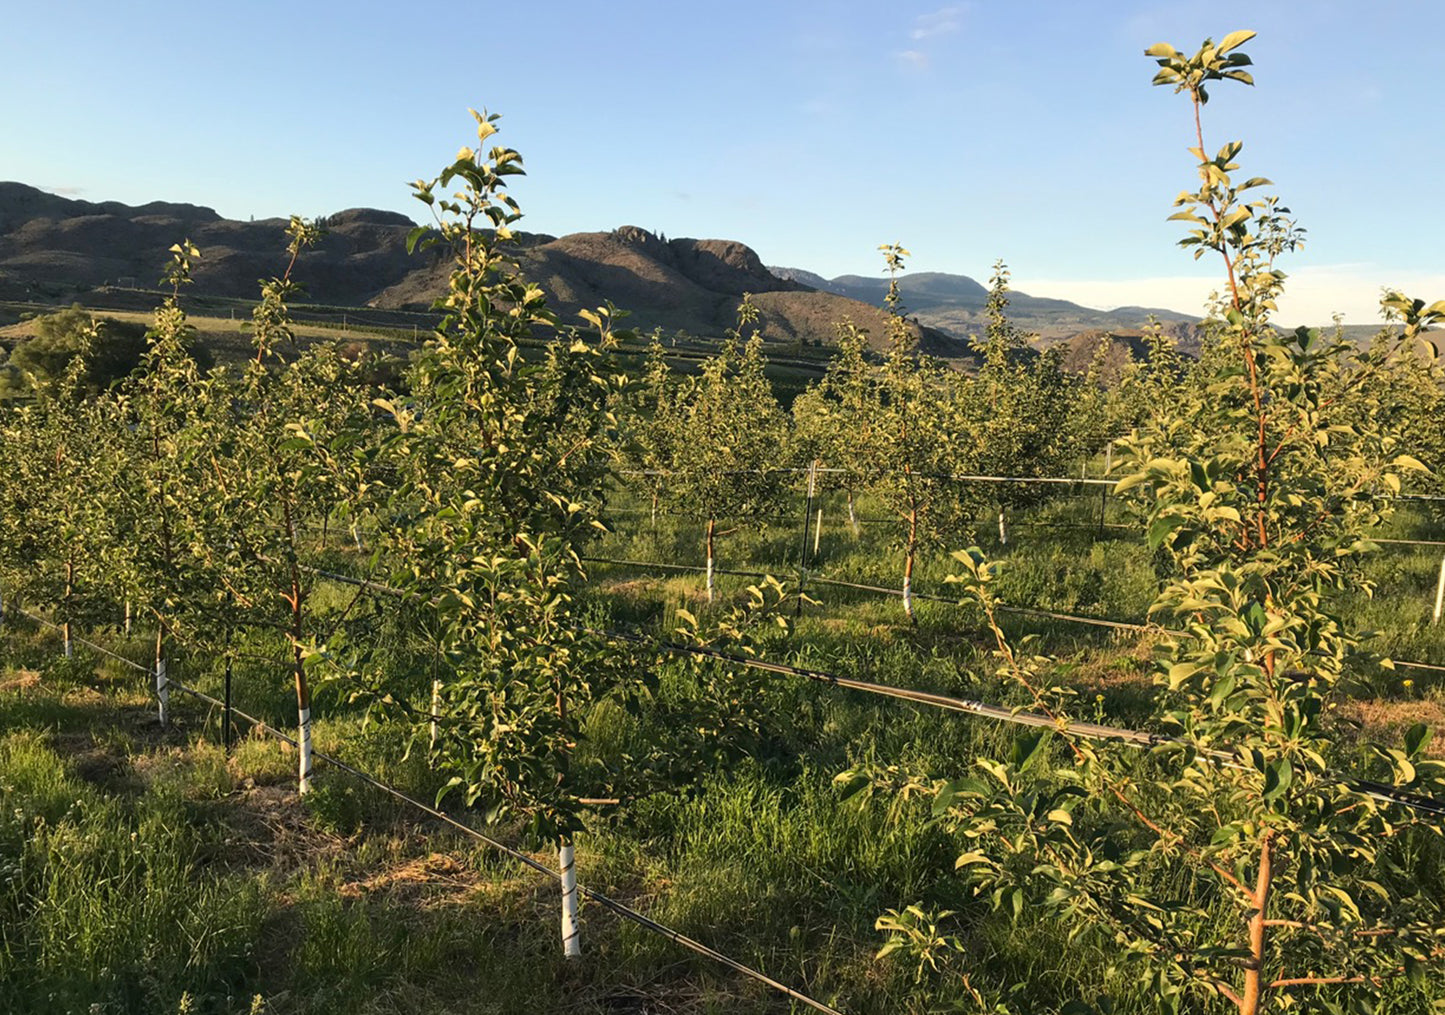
column 1387, row 721
column 20, row 680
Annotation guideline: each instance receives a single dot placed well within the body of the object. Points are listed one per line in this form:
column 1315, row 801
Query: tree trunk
column 296, row 600
column 65, row 616
column 126, row 628
column 711, row 524
column 852, row 515
column 1002, row 527
column 1254, row 978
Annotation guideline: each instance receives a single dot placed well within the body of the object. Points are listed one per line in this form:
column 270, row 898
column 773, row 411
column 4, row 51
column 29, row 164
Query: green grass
column 143, row 870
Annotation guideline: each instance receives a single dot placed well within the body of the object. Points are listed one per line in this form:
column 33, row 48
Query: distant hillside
column 53, row 249
column 955, row 304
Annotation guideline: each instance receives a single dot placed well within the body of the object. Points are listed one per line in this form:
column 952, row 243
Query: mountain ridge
column 957, row 304
column 59, row 249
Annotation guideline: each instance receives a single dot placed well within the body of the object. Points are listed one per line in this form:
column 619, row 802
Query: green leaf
column 1161, row 527
column 1130, row 481
column 1234, row 40
column 1027, row 748
column 1278, row 775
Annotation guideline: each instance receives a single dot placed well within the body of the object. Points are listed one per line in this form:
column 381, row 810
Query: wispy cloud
column 65, row 191
column 944, row 21
column 913, row 59
column 925, row 30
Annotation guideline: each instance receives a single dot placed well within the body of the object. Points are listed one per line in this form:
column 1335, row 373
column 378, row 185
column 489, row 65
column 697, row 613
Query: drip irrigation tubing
column 674, row 567
column 1418, row 666
column 1088, row 730
column 883, row 590
column 1025, row 610
column 88, row 644
column 620, row 909
column 965, row 478
column 1376, row 790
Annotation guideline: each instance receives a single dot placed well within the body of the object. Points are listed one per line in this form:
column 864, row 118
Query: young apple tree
column 1256, row 858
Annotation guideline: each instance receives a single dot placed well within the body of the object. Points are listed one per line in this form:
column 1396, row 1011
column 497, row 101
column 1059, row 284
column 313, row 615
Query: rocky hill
column 956, row 304
column 55, row 249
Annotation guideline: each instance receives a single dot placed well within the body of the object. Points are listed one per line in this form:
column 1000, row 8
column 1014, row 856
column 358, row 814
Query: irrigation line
column 1027, row 611
column 1088, row 730
column 1062, row 480
column 883, row 590
column 964, row 478
column 674, row 567
column 1095, row 731
column 622, row 910
column 88, row 644
column 1024, row 610
column 1419, row 666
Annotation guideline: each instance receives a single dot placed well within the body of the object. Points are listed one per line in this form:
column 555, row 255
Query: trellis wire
column 621, row 909
column 1366, row 787
column 883, row 590
column 1087, row 730
column 969, row 478
column 1025, row 610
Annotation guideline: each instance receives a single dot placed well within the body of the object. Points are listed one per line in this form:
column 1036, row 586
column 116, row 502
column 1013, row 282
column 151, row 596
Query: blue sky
column 812, row 131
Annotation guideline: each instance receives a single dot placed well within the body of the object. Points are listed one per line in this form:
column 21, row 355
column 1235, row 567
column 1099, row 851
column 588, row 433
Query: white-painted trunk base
column 163, row 692
column 1002, row 527
column 571, row 928
column 908, row 596
column 710, row 585
column 818, row 532
column 852, row 516
column 303, row 741
column 69, row 648
column 436, row 705
column 1440, row 592
column 126, row 626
